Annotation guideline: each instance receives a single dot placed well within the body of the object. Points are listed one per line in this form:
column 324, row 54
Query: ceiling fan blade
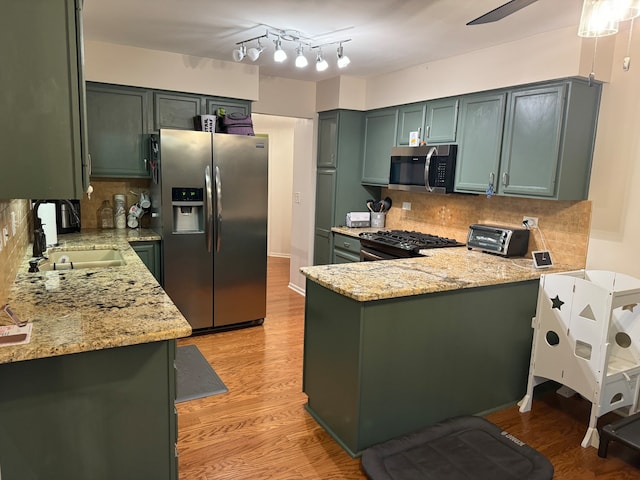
column 501, row 12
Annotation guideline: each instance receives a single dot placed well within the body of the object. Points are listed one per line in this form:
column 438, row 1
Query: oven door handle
column 368, row 255
column 426, row 168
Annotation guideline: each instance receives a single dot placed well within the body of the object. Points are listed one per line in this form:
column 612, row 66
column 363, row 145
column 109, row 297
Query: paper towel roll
column 47, row 213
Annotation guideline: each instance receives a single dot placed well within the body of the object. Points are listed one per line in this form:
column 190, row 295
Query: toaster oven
column 505, row 241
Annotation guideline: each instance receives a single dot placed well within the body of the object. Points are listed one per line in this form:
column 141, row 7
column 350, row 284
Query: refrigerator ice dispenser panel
column 188, row 210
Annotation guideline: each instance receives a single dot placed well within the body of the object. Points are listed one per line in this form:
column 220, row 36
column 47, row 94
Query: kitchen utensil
column 369, row 203
column 387, row 204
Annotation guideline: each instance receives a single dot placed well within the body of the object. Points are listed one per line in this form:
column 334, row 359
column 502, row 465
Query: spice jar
column 119, row 211
column 105, row 215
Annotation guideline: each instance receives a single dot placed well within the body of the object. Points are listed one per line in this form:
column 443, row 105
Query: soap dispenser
column 39, row 238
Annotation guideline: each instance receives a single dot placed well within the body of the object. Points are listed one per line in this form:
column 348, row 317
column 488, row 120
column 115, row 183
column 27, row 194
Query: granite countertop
column 76, row 311
column 440, row 270
column 355, row 231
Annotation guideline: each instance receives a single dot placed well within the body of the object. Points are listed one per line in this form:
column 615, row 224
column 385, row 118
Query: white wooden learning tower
column 587, row 337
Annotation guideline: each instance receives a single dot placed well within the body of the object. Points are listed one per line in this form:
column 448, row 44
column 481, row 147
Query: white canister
column 119, row 211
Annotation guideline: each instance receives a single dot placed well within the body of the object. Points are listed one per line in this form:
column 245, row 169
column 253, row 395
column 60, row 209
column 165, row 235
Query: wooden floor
column 260, row 430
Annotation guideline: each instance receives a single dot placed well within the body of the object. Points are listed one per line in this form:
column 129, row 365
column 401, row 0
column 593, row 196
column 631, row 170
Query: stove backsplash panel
column 565, row 225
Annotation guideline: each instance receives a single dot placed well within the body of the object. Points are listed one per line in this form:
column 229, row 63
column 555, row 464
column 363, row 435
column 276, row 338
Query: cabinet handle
column 427, row 131
column 346, row 244
column 505, row 179
column 492, row 177
column 146, row 163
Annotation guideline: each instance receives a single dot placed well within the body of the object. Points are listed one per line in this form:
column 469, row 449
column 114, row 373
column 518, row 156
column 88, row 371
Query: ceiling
column 385, row 35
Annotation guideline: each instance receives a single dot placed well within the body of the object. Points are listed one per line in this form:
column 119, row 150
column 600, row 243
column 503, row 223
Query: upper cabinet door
column 479, row 142
column 42, row 115
column 379, row 138
column 410, row 119
column 442, row 121
column 176, row 111
column 327, row 140
column 118, row 128
column 531, row 148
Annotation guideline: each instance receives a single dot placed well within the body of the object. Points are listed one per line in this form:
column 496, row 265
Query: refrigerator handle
column 207, row 183
column 218, row 210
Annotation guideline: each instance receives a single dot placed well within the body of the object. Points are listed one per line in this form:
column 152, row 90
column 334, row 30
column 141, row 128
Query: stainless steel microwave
column 426, row 168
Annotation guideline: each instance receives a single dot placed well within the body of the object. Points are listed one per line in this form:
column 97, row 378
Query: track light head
column 239, row 53
column 301, row 60
column 343, row 60
column 254, row 52
column 279, row 55
column 321, row 63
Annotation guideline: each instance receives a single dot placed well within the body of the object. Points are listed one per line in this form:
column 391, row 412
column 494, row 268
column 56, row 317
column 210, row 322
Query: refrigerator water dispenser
column 188, row 210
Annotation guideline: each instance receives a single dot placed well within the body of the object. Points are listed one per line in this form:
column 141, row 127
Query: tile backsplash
column 563, row 225
column 105, row 189
column 14, row 247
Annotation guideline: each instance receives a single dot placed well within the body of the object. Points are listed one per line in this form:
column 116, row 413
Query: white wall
column 280, row 132
column 615, row 178
column 120, row 64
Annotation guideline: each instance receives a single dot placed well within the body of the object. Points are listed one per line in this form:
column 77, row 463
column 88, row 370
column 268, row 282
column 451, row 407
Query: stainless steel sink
column 78, row 259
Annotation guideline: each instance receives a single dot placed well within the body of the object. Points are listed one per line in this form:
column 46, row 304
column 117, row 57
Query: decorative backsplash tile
column 563, row 226
column 105, row 189
column 16, row 245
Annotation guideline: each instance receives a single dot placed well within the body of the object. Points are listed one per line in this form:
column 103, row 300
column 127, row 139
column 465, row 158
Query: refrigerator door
column 185, row 159
column 240, row 199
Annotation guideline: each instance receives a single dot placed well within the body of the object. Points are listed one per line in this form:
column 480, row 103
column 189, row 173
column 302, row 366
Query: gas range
column 389, row 244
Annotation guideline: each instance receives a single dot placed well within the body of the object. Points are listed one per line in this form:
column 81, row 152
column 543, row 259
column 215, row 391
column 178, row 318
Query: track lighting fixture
column 321, row 63
column 239, row 53
column 279, row 55
column 301, row 60
column 343, row 60
column 254, row 52
column 301, row 40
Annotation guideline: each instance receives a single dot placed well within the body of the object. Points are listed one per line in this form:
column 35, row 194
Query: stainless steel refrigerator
column 213, row 221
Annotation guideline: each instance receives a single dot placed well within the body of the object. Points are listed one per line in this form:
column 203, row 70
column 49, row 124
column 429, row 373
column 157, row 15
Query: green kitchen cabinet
column 230, row 106
column 380, row 130
column 480, row 141
column 547, row 144
column 326, row 182
column 379, row 369
column 338, row 189
column 436, row 121
column 118, row 120
column 176, row 110
column 346, row 249
column 327, row 139
column 102, row 414
column 410, row 119
column 149, row 253
column 441, row 121
column 42, row 127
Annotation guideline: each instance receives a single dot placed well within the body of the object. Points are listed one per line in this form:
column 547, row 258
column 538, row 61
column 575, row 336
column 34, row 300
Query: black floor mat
column 196, row 378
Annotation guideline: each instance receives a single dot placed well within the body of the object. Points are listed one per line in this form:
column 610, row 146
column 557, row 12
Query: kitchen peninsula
column 92, row 394
column 394, row 345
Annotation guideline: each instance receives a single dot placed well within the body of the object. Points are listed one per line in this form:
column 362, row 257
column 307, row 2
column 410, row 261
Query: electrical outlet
column 531, row 222
column 296, row 197
column 406, row 205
